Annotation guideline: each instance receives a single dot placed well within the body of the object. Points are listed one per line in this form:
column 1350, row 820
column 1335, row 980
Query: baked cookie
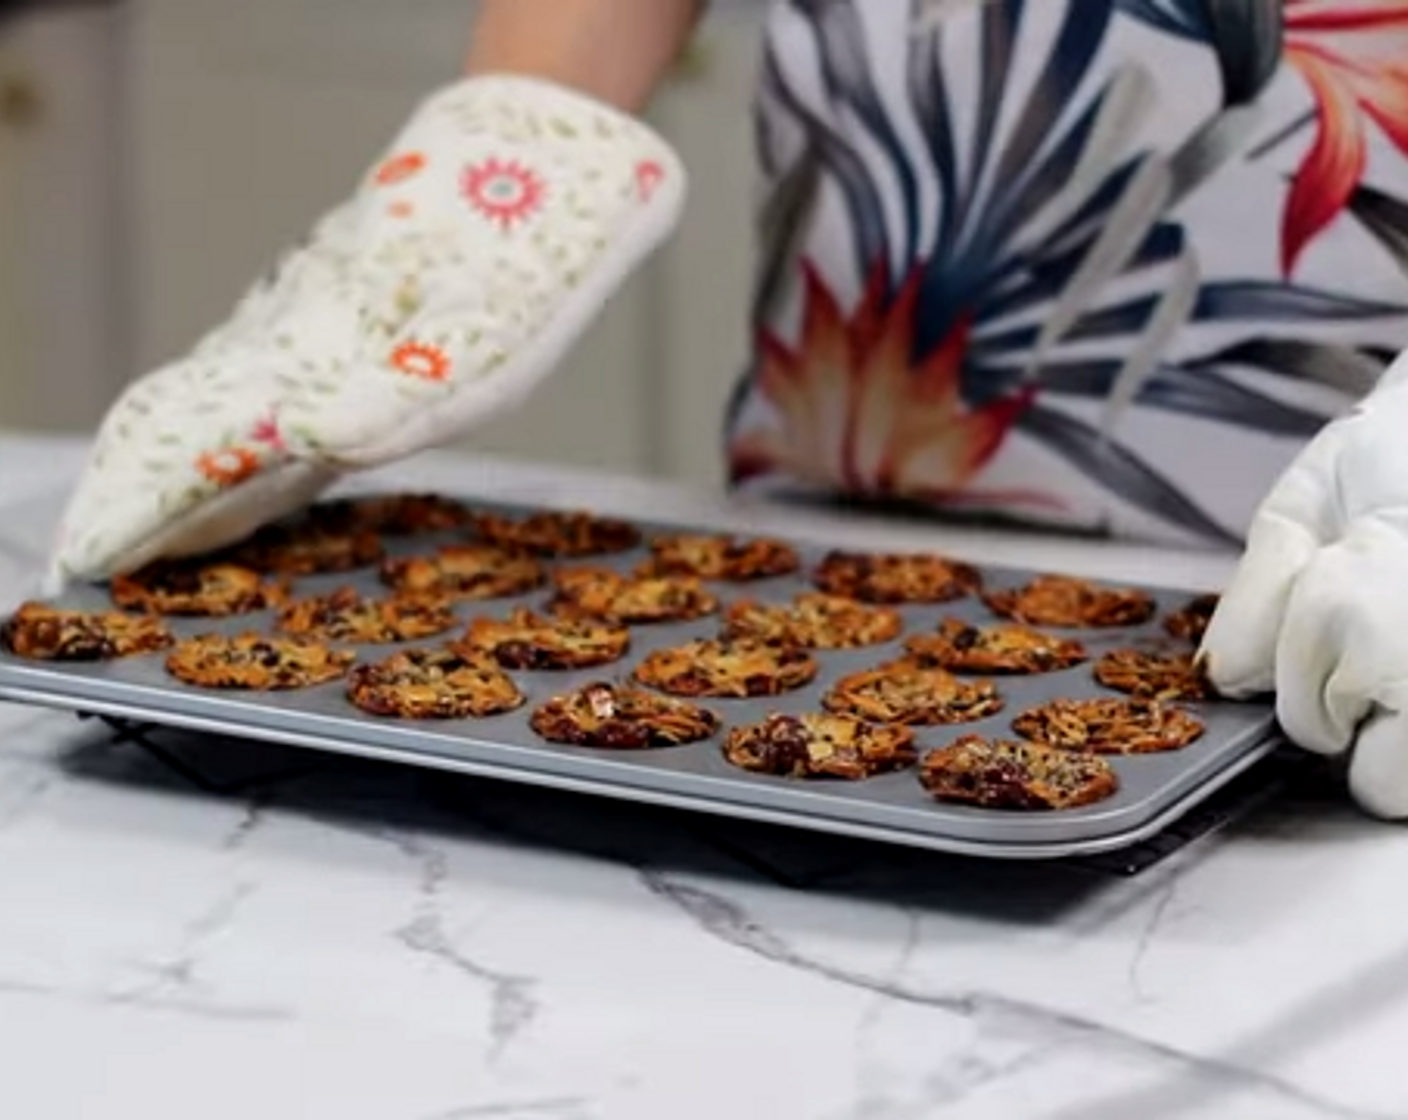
column 432, row 683
column 1007, row 648
column 346, row 615
column 464, row 571
column 875, row 577
column 622, row 718
column 905, row 692
column 816, row 745
column 42, row 633
column 1191, row 620
column 813, row 619
column 999, row 774
column 256, row 662
column 720, row 556
column 560, row 533
column 309, row 547
column 608, row 595
column 715, row 667
column 1158, row 676
column 1066, row 601
column 194, row 588
column 526, row 640
column 393, row 515
column 1109, row 726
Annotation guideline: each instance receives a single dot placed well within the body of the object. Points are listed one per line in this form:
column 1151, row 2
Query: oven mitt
column 1318, row 607
column 473, row 254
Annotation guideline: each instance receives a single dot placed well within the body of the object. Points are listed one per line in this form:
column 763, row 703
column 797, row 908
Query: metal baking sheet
column 1155, row 790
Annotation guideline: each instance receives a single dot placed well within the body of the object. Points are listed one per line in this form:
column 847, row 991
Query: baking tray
column 1155, row 790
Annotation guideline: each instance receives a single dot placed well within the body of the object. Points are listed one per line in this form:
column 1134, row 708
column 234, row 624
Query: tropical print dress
column 1104, row 265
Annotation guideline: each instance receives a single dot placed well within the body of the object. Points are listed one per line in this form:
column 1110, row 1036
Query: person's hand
column 1318, row 608
column 468, row 260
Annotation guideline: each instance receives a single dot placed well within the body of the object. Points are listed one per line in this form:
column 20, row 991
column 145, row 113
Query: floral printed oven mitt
column 472, row 255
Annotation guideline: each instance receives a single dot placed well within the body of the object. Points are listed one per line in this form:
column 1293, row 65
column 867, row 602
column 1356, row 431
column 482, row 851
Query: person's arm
column 614, row 50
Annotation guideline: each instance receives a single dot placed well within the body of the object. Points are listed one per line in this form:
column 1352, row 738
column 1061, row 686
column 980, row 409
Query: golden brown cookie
column 1000, row 774
column 256, row 662
column 875, row 577
column 720, row 556
column 393, row 515
column 620, row 717
column 1158, row 676
column 197, row 588
column 464, row 571
column 813, row 619
column 1109, row 726
column 815, row 745
column 42, row 633
column 739, row 669
column 1010, row 649
column 560, row 533
column 526, row 640
column 433, row 683
column 1191, row 620
column 307, row 547
column 905, row 692
column 346, row 615
column 607, row 595
column 1066, row 601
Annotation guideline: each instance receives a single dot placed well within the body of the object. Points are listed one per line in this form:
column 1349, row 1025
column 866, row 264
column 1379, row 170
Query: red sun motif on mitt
column 504, row 191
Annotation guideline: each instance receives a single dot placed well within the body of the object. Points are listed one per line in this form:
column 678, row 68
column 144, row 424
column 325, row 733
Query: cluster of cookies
column 443, row 669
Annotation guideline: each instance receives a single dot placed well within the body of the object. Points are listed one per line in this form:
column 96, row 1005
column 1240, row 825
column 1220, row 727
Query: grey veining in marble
column 318, row 937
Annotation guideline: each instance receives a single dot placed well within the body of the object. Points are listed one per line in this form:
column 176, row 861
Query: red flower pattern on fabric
column 649, row 176
column 857, row 414
column 267, row 431
column 1354, row 57
column 504, row 191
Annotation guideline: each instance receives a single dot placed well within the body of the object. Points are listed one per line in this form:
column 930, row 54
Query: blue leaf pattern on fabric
column 1187, row 18
column 1012, row 189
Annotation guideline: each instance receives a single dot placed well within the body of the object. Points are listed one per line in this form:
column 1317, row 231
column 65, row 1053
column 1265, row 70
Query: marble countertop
column 365, row 942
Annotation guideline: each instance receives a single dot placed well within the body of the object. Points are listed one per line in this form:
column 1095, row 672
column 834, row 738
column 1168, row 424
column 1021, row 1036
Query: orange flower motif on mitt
column 228, row 466
column 422, row 361
column 399, row 168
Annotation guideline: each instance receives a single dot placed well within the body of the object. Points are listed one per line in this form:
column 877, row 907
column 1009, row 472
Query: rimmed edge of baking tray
column 1256, row 749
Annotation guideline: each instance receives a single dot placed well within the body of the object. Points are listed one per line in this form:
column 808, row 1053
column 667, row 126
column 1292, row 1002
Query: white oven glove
column 1318, row 608
column 471, row 257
